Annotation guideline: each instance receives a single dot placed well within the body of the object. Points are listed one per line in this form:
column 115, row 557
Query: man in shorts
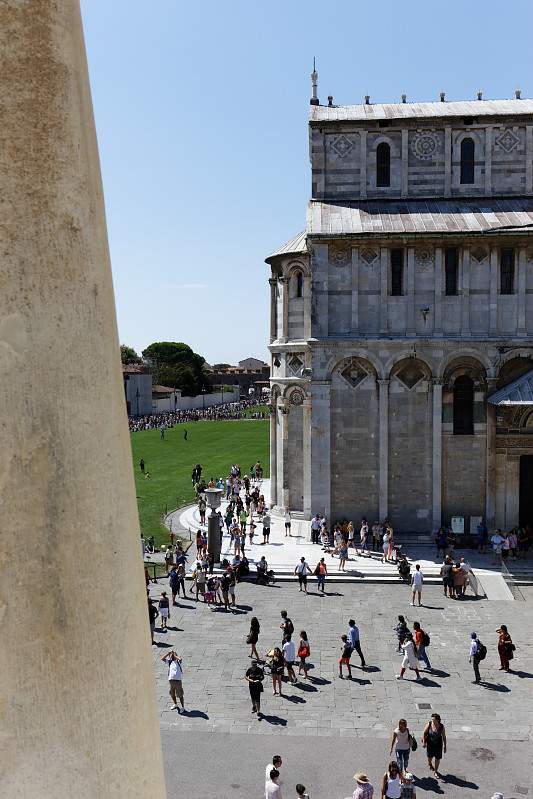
column 289, row 653
column 266, row 528
column 416, row 581
column 175, row 676
column 346, row 654
column 302, row 570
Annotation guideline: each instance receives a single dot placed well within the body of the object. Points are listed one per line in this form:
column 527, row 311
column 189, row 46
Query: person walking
column 276, row 763
column 302, row 570
column 173, row 583
column 164, row 610
column 402, row 631
column 141, row 465
column 364, row 788
column 343, row 555
column 496, row 543
column 422, row 640
column 153, row 613
column 478, row 652
column 301, row 792
column 391, row 786
column 277, row 667
column 401, row 741
column 385, row 545
column 409, row 658
column 289, row 653
column 253, row 637
column 272, row 789
column 434, row 742
column 287, row 523
column 447, row 577
column 505, row 647
column 354, row 639
column 363, row 535
column 266, row 528
column 346, row 653
column 304, row 650
column 175, row 679
column 286, row 625
column 321, row 572
column 315, row 529
column 416, row 581
column 255, row 676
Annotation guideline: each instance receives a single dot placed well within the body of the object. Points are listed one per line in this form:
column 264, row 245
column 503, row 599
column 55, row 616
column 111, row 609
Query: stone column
column 529, row 159
column 283, row 498
column 521, row 292
column 493, row 292
column 383, row 399
column 384, row 289
column 437, row 453
column 410, row 292
column 308, row 290
column 320, row 448
column 306, row 457
column 490, row 479
column 464, row 254
column 354, row 326
column 77, row 690
column 488, row 161
column 447, row 161
column 362, row 178
column 438, row 291
column 405, row 163
column 273, row 456
column 273, row 309
column 285, row 308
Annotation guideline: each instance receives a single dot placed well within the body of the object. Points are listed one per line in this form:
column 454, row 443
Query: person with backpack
column 422, row 640
column 286, row 625
column 478, row 652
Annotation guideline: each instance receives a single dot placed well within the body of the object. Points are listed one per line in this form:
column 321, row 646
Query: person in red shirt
column 421, row 641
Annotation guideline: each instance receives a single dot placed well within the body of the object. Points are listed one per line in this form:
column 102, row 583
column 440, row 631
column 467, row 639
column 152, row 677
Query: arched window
column 299, row 283
column 467, row 160
column 383, row 164
column 463, row 406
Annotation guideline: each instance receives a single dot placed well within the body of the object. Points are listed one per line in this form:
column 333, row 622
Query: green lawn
column 215, row 445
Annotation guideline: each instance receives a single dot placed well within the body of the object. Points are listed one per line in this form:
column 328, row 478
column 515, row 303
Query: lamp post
column 213, row 497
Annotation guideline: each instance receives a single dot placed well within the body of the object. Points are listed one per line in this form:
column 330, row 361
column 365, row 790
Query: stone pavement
column 215, row 657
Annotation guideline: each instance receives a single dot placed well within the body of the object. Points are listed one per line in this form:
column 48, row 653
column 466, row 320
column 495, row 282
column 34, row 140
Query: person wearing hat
column 408, row 789
column 364, row 789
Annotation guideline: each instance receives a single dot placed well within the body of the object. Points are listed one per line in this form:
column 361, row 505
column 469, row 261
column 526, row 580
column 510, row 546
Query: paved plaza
column 327, row 728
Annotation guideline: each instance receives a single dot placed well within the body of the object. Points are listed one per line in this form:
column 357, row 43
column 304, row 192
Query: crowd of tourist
column 169, row 419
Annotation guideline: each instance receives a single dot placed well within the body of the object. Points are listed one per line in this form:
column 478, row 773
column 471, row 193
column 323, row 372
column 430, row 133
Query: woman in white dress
column 409, row 658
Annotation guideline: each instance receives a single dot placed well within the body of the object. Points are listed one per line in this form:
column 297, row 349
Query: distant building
column 250, row 373
column 137, row 389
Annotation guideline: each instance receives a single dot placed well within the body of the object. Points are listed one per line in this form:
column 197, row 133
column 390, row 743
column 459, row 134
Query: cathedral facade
column 402, row 318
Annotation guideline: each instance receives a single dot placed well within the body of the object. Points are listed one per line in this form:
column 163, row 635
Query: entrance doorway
column 526, row 490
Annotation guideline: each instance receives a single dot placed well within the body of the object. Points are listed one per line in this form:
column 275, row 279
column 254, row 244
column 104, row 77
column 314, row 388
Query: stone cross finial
column 314, row 84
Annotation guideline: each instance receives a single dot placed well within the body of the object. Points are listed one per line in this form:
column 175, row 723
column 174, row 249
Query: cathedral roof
column 420, row 216
column 295, row 245
column 376, row 111
column 519, row 392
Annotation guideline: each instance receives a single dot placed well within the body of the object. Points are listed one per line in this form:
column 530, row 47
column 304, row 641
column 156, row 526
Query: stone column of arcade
column 77, row 695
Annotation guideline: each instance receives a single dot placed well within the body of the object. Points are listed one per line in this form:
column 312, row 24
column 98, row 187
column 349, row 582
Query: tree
column 176, row 365
column 128, row 354
column 218, row 366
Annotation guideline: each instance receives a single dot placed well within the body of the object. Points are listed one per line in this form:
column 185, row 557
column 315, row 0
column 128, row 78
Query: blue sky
column 201, row 113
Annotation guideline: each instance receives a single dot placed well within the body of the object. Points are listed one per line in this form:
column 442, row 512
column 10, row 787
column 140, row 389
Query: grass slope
column 215, row 445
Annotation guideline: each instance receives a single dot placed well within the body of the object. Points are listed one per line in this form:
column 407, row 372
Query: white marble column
column 320, row 448
column 383, row 399
column 490, row 478
column 447, row 161
column 274, row 455
column 493, row 291
column 410, row 292
column 273, row 309
column 405, row 163
column 362, row 161
column 308, row 290
column 521, row 292
column 306, row 457
column 464, row 254
column 283, row 498
column 77, row 686
column 285, row 308
column 437, row 453
column 384, row 259
column 355, row 290
column 438, row 290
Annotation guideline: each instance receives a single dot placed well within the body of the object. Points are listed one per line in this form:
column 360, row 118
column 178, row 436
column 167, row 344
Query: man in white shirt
column 272, row 789
column 289, row 652
column 315, row 528
column 496, row 541
column 302, row 570
column 275, row 764
column 416, row 581
column 175, row 675
column 474, row 658
column 287, row 523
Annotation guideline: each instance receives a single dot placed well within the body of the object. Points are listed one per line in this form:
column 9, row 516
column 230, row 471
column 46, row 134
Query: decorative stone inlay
column 479, row 254
column 342, row 146
column 368, row 255
column 425, row 145
column 354, row 374
column 295, row 364
column 339, row 255
column 410, row 374
column 296, row 397
column 423, row 259
column 508, row 140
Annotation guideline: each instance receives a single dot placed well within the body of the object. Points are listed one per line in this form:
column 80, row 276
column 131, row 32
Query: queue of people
column 169, row 419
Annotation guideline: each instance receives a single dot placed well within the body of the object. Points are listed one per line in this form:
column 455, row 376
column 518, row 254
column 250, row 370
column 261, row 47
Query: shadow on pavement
column 429, row 784
column 451, row 779
column 439, row 673
column 521, row 674
column 194, row 714
column 276, row 720
column 494, row 686
column 298, row 700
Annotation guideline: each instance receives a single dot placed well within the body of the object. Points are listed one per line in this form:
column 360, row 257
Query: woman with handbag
column 505, row 647
column 405, row 744
column 253, row 637
column 304, row 650
column 434, row 742
column 277, row 667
